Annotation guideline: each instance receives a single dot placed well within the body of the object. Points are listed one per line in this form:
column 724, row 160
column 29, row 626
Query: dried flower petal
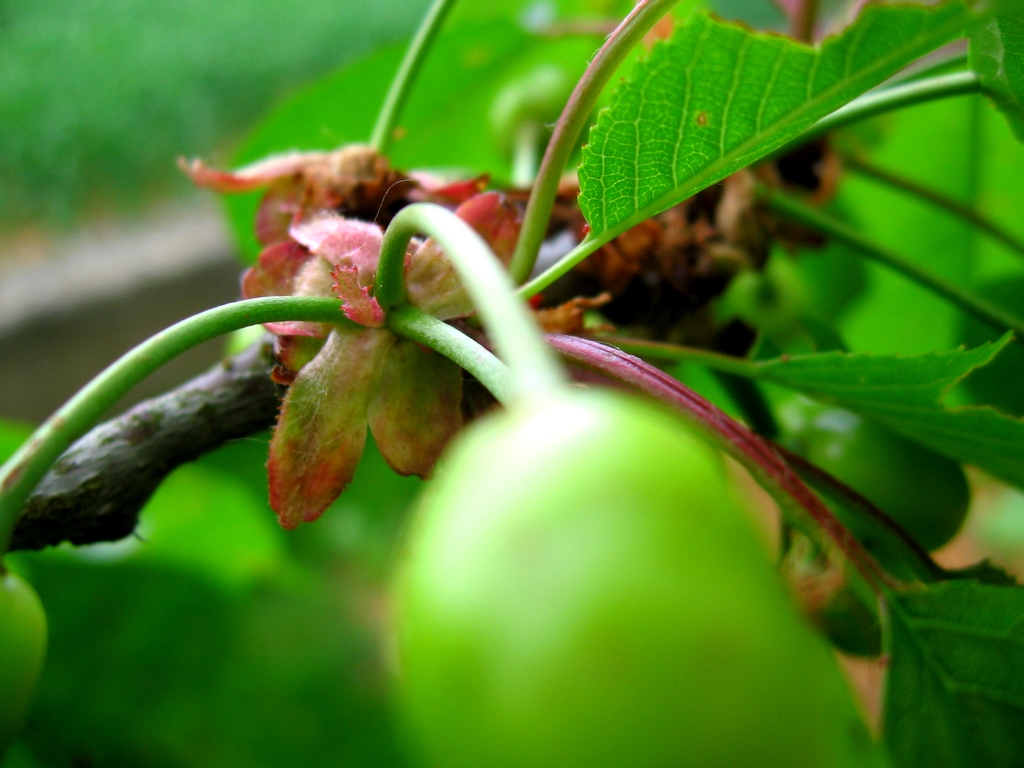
column 417, row 407
column 568, row 318
column 432, row 282
column 275, row 271
column 256, row 175
column 321, row 432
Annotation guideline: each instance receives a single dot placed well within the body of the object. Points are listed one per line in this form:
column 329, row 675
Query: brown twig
column 97, row 488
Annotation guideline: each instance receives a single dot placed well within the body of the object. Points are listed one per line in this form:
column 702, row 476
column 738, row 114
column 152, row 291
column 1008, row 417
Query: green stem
column 560, row 267
column 888, row 99
column 570, row 125
column 415, row 324
column 937, row 199
column 22, row 472
column 398, row 93
column 535, row 368
column 811, row 217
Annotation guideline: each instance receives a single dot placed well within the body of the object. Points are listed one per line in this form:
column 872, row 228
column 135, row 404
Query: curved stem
column 417, row 325
column 21, row 473
column 570, row 125
column 811, row 217
column 398, row 93
column 756, row 454
column 937, row 199
column 659, row 350
column 888, row 99
column 534, row 367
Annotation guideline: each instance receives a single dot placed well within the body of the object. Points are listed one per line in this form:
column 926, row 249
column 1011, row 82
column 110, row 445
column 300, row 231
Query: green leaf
column 715, row 98
column 905, row 393
column 997, row 55
column 955, row 695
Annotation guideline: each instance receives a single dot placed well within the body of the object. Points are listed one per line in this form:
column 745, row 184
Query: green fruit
column 774, row 299
column 581, row 588
column 22, row 649
column 1001, row 382
column 531, row 101
column 923, row 491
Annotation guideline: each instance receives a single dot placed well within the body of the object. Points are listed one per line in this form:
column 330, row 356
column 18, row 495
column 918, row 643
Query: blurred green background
column 98, row 97
column 213, row 638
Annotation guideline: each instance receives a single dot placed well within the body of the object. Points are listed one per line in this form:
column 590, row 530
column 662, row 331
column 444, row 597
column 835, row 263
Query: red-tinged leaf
column 432, row 283
column 357, row 303
column 416, row 409
column 256, row 175
column 347, row 242
column 321, row 432
column 275, row 271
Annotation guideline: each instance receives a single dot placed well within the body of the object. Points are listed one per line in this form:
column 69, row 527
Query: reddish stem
column 758, row 455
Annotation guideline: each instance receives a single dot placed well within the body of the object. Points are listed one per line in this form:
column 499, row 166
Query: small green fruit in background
column 1001, row 382
column 521, row 114
column 773, row 300
column 923, row 491
column 536, row 97
column 22, row 650
column 581, row 588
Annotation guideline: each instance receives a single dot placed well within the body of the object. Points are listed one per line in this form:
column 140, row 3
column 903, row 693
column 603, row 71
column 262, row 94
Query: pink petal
column 357, row 303
column 417, row 407
column 342, row 241
column 275, row 271
column 321, row 431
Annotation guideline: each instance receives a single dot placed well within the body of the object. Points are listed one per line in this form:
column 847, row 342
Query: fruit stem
column 889, row 99
column 570, row 125
column 794, row 209
column 560, row 267
column 23, row 471
column 534, row 367
column 755, row 453
column 417, row 325
column 401, row 85
column 936, row 198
